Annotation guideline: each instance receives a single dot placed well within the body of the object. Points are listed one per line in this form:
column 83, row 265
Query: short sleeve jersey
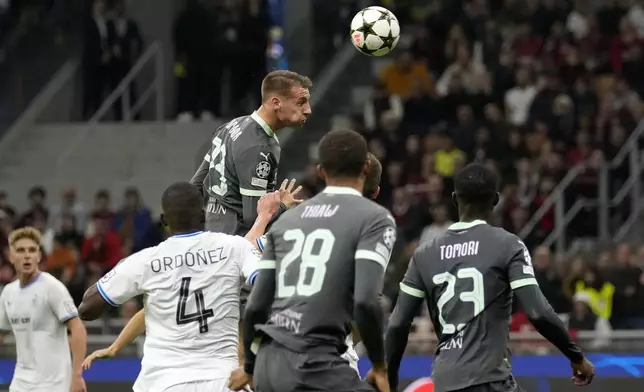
column 467, row 277
column 36, row 315
column 313, row 248
column 191, row 289
column 244, row 158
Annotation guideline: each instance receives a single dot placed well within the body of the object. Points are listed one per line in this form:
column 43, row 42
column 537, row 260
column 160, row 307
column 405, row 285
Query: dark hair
column 372, row 181
column 342, row 153
column 182, row 205
column 37, row 191
column 102, row 194
column 476, row 186
column 282, row 81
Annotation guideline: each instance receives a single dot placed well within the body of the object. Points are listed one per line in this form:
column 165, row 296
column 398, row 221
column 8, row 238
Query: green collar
column 263, row 124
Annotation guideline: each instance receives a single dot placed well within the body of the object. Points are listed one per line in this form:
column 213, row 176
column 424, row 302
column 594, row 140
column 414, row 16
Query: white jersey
column 351, row 355
column 36, row 314
column 191, row 289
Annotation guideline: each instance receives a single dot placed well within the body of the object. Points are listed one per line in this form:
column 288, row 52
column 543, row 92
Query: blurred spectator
column 69, row 206
column 126, row 47
column 248, row 60
column 464, row 68
column 5, row 207
column 439, row 225
column 628, row 309
column 132, row 222
column 599, row 291
column 63, row 260
column 380, row 102
column 549, row 279
column 448, row 158
column 68, row 232
column 402, row 75
column 583, row 319
column 102, row 208
column 97, row 54
column 196, row 66
column 102, row 248
column 37, row 199
column 518, row 99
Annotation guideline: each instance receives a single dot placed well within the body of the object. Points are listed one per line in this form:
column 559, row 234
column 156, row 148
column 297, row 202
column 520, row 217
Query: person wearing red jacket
column 103, row 248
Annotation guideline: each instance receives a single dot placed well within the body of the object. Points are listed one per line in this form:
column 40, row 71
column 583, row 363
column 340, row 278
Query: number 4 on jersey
column 201, row 315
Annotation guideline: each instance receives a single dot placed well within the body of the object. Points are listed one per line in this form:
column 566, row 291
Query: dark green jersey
column 467, row 277
column 314, row 249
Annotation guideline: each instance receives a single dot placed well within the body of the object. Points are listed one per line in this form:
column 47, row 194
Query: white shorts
column 217, row 385
column 352, row 357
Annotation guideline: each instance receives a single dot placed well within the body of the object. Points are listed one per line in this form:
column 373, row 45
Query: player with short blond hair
column 38, row 310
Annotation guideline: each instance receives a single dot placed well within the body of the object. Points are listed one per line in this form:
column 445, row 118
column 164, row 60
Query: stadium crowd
column 529, row 88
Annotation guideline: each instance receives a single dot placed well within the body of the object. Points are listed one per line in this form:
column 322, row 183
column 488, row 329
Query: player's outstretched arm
column 548, row 324
column 541, row 314
column 134, row 327
column 116, row 287
column 267, row 206
column 410, row 299
column 93, row 304
column 397, row 335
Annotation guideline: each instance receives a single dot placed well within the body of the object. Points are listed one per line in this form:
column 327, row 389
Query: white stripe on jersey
column 252, row 192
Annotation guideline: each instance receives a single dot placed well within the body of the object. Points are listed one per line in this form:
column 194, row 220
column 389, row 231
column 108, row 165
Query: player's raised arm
column 410, row 298
column 259, row 302
column 134, row 327
column 267, row 206
column 371, row 258
column 116, row 287
column 541, row 314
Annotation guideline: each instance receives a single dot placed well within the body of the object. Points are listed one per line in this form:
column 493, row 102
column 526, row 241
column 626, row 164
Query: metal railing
column 122, row 91
column 604, row 202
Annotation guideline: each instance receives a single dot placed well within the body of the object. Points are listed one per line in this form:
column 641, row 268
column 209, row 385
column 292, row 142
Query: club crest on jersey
column 263, row 169
column 389, row 237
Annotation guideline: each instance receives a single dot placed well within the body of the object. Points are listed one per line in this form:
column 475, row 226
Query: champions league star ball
column 375, row 31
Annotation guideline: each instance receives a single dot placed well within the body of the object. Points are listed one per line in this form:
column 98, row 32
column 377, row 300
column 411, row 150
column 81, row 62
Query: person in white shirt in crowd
column 38, row 310
column 191, row 284
column 519, row 98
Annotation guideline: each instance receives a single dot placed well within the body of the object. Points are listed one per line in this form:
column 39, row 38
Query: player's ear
column 454, row 199
column 365, row 169
column 321, row 173
column 275, row 103
column 497, row 197
column 376, row 193
column 163, row 222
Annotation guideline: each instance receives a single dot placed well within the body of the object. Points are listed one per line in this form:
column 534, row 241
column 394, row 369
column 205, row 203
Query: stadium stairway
column 149, row 156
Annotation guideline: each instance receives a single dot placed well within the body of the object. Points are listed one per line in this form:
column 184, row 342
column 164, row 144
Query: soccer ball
column 375, row 31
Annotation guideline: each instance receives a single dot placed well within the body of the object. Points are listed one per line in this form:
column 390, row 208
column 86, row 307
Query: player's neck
column 184, row 232
column 26, row 278
column 467, row 216
column 346, row 183
column 269, row 118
